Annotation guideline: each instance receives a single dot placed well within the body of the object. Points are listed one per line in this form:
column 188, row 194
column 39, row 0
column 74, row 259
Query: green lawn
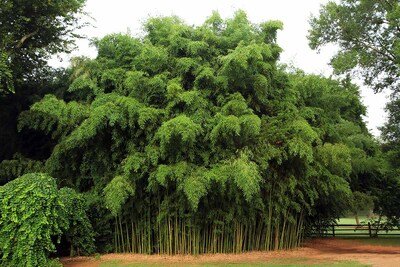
column 362, row 232
column 381, row 241
column 351, row 220
column 290, row 262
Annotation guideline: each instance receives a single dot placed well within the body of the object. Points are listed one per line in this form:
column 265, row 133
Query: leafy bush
column 31, row 215
column 80, row 233
column 34, row 213
column 54, row 263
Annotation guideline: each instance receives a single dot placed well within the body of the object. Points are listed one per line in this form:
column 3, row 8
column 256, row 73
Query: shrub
column 80, row 233
column 32, row 214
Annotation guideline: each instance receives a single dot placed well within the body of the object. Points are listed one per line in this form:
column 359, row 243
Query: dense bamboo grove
column 188, row 236
column 195, row 140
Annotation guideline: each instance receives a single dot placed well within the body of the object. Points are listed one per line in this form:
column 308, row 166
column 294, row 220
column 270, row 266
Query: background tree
column 367, row 34
column 361, row 202
column 30, row 32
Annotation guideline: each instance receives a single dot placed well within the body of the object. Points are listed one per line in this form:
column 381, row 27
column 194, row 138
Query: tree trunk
column 370, row 214
column 357, row 219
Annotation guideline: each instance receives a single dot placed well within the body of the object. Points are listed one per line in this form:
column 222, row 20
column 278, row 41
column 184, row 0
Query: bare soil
column 327, row 250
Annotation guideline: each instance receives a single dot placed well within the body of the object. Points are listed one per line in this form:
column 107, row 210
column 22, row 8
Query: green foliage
column 195, row 187
column 30, row 31
column 116, row 193
column 177, row 133
column 6, row 74
column 387, row 199
column 53, row 116
column 80, row 234
column 361, row 201
column 11, row 169
column 32, row 213
column 367, row 35
column 246, row 176
column 391, row 131
column 54, row 263
column 336, row 158
column 194, row 140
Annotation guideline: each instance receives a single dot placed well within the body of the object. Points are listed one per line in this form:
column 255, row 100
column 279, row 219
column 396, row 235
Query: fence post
column 333, row 230
column 369, row 229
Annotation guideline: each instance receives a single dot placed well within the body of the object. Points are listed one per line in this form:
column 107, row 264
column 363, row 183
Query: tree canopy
column 30, row 31
column 195, row 139
column 197, row 131
column 367, row 33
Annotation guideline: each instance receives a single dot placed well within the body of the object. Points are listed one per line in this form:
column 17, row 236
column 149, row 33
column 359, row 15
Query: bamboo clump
column 177, row 235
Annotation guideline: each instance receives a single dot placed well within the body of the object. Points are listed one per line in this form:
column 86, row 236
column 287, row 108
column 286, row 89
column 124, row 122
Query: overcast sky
column 121, row 15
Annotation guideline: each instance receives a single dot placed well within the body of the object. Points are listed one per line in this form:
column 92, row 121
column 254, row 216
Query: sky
column 124, row 16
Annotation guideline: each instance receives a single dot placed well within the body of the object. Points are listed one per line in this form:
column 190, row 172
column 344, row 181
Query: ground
column 319, row 252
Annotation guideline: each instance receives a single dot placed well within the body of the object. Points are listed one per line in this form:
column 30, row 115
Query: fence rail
column 369, row 229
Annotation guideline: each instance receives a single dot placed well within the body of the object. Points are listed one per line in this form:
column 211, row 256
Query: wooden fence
column 361, row 230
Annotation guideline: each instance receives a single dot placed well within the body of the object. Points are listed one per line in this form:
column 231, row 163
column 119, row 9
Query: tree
column 26, row 149
column 367, row 33
column 361, row 202
column 391, row 130
column 30, row 31
column 194, row 139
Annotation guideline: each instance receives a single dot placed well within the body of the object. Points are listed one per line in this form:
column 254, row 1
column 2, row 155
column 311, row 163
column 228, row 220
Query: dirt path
column 339, row 249
column 315, row 251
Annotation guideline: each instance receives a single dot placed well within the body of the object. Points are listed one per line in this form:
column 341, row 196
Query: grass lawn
column 352, row 220
column 363, row 232
column 290, row 262
column 380, row 241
